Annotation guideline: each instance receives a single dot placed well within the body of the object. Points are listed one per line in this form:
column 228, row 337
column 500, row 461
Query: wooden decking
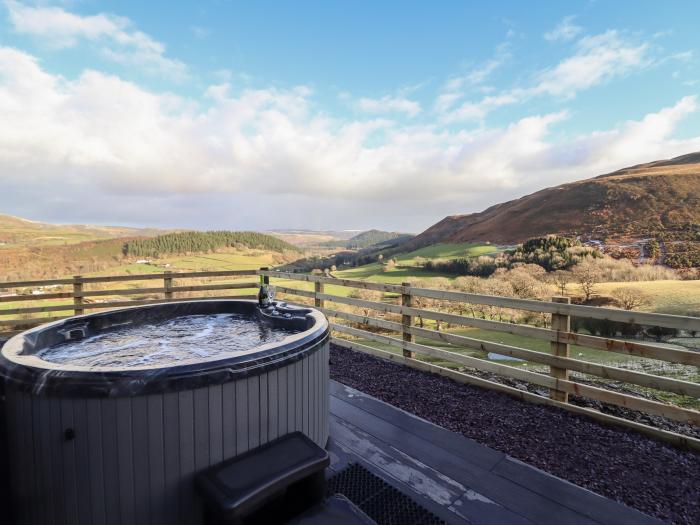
column 454, row 477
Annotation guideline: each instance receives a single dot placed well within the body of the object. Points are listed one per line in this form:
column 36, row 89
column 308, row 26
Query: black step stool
column 270, row 484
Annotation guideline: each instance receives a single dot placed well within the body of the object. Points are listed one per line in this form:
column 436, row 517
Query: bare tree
column 390, row 265
column 587, row 274
column 630, row 298
column 561, row 280
column 366, row 295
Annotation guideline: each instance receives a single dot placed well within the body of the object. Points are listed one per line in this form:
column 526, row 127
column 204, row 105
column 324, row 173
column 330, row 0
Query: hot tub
column 103, row 443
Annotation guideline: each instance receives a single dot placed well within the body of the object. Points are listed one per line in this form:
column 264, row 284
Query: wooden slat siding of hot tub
column 52, row 458
column 75, row 503
column 84, row 485
column 110, row 463
column 95, row 458
column 171, row 456
column 273, row 396
column 216, row 424
column 283, row 400
column 155, row 465
column 201, row 429
column 291, row 398
column 253, row 411
column 241, row 417
column 140, row 460
column 305, row 407
column 264, row 408
column 228, row 420
column 186, row 452
column 299, row 396
column 128, row 455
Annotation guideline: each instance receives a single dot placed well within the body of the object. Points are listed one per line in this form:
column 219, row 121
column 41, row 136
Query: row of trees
column 195, row 242
column 551, row 253
column 526, row 282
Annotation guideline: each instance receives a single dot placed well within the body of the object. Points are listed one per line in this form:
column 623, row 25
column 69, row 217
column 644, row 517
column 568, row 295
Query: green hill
column 659, row 199
column 370, row 239
column 194, row 242
column 16, row 232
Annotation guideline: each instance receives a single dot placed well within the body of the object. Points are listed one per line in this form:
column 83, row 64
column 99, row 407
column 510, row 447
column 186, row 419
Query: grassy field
column 375, row 272
column 673, row 297
column 406, row 268
column 448, row 251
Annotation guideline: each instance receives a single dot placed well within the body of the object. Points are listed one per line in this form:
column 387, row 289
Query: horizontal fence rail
column 392, row 320
column 82, row 295
column 396, row 313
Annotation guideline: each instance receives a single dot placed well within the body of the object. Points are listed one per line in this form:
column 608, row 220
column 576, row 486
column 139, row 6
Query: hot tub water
column 169, row 341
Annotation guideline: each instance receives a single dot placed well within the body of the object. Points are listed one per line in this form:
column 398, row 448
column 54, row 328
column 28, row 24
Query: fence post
column 265, row 278
column 318, row 289
column 561, row 323
column 406, row 321
column 168, row 285
column 78, row 295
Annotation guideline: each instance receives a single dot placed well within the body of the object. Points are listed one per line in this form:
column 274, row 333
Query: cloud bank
column 98, row 148
column 115, row 36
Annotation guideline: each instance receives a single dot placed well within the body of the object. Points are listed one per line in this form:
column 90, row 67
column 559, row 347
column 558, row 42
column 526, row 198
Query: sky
column 331, row 115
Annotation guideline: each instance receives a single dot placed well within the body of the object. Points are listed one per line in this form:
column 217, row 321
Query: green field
column 449, row 251
column 672, row 297
column 406, row 269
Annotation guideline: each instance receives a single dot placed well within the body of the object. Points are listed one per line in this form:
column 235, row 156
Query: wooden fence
column 559, row 335
column 82, row 296
column 399, row 302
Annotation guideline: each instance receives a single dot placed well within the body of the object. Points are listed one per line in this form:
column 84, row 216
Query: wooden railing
column 559, row 382
column 81, row 294
column 393, row 325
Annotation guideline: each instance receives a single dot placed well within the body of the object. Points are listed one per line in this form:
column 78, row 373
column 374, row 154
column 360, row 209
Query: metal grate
column 379, row 500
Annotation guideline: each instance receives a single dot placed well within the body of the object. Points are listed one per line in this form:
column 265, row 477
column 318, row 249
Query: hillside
column 312, row 238
column 194, row 242
column 370, row 238
column 16, row 231
column 659, row 199
column 35, row 250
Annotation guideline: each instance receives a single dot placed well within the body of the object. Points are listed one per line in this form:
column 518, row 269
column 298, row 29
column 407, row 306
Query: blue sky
column 323, row 115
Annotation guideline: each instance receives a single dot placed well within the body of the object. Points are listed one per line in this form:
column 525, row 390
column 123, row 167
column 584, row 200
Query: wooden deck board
column 455, row 477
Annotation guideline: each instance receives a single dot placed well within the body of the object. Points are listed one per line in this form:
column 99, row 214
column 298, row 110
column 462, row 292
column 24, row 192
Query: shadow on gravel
column 620, row 464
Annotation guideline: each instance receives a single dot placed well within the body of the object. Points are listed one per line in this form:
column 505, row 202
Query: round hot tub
column 110, row 415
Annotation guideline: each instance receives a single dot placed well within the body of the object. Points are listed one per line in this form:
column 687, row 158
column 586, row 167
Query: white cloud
column 455, row 88
column 597, row 60
column 565, row 30
column 388, row 104
column 117, row 147
column 119, row 41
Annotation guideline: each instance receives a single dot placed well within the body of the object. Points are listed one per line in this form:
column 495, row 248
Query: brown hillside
column 631, row 203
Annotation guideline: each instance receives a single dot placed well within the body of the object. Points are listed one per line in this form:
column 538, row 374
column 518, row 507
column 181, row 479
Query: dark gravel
column 614, row 410
column 620, row 464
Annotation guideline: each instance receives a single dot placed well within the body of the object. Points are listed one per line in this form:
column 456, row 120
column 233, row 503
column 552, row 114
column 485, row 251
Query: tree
column 630, row 298
column 561, row 280
column 390, row 265
column 587, row 274
column 365, row 295
column 652, row 249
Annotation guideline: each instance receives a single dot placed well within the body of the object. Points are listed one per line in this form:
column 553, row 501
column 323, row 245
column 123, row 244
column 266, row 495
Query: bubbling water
column 165, row 342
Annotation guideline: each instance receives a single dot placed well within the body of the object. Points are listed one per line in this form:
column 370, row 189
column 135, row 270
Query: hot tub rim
column 65, row 381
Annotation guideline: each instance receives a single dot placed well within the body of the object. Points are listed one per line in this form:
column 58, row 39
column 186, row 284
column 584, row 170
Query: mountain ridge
column 645, row 200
